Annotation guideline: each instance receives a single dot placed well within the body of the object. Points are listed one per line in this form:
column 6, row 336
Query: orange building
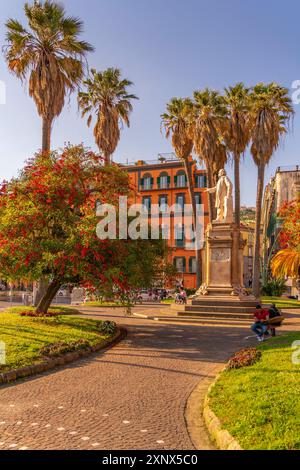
column 164, row 182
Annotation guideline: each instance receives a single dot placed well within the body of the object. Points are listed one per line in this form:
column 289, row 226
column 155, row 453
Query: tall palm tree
column 106, row 95
column 51, row 54
column 236, row 133
column 176, row 122
column 206, row 125
column 270, row 111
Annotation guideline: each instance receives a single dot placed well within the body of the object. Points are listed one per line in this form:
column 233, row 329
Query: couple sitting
column 266, row 319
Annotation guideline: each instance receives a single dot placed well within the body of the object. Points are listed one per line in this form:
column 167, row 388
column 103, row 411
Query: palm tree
column 286, row 263
column 51, row 54
column 207, row 122
column 176, row 122
column 106, row 94
column 270, row 111
column 236, row 133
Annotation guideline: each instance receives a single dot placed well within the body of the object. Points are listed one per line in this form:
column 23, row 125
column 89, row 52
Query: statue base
column 223, row 262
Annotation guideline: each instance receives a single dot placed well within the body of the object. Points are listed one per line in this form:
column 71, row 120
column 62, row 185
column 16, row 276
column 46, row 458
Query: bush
column 34, row 314
column 107, row 327
column 243, row 358
column 273, row 288
column 58, row 349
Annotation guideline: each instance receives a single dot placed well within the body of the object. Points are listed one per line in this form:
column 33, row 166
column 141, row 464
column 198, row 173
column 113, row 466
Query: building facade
column 283, row 187
column 164, row 182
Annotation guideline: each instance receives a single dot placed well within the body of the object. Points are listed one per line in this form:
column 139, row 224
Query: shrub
column 34, row 314
column 243, row 358
column 107, row 327
column 273, row 288
column 58, row 349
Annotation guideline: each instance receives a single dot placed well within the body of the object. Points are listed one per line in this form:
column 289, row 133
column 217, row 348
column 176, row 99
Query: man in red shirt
column 261, row 317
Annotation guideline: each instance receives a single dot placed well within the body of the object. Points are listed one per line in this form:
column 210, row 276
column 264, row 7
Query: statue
column 224, row 201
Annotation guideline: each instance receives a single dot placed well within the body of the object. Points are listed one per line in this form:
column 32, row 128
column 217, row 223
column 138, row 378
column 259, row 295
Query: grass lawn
column 281, row 302
column 259, row 404
column 25, row 336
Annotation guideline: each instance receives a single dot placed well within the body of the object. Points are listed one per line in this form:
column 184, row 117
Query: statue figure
column 224, row 201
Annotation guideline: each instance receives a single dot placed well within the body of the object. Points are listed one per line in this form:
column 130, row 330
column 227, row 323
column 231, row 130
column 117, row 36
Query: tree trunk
column 107, row 159
column 47, row 124
column 211, row 196
column 188, row 168
column 237, row 197
column 256, row 260
column 46, row 145
column 49, row 295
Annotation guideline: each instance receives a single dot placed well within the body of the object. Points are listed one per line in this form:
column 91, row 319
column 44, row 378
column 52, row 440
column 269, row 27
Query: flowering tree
column 48, row 227
column 286, row 263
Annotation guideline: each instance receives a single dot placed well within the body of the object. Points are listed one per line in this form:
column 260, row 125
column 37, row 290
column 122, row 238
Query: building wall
column 173, row 170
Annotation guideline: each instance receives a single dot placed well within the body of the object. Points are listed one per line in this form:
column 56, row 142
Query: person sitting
column 183, row 296
column 275, row 318
column 260, row 325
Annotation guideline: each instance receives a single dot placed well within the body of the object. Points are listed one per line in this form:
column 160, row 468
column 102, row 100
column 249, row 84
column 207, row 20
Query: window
column 180, row 201
column 163, row 181
column 180, row 264
column 180, row 180
column 164, row 230
column 200, row 181
column 198, row 198
column 192, row 265
column 147, row 182
column 163, row 203
column 147, row 203
column 179, row 236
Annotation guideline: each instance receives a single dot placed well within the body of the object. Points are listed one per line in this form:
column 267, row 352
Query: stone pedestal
column 223, row 273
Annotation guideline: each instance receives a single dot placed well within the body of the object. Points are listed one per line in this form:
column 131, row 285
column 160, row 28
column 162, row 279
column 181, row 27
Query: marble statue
column 224, row 200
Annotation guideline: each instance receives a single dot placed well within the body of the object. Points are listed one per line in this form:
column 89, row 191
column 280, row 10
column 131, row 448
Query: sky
column 167, row 48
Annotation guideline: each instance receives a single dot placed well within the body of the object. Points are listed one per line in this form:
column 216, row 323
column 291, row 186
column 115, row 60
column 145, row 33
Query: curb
column 194, row 418
column 52, row 363
column 223, row 439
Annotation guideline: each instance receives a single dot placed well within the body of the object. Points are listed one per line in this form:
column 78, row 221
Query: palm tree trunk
column 46, row 146
column 188, row 171
column 49, row 295
column 211, row 196
column 107, row 159
column 256, row 261
column 46, row 138
column 237, row 197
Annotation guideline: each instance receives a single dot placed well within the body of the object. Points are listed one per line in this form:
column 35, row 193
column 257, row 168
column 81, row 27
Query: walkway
column 132, row 396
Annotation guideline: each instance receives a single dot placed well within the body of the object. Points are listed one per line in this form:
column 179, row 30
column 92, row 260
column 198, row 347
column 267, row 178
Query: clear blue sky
column 167, row 48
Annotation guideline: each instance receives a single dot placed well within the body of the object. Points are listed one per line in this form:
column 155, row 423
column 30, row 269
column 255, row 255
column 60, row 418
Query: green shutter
column 158, row 182
column 175, row 180
column 169, row 180
column 152, row 181
column 142, row 182
column 184, row 265
column 205, row 181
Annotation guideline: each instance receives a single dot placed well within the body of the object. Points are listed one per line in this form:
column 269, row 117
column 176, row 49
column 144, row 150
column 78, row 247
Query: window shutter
column 190, row 264
column 158, row 181
column 142, row 182
column 205, row 181
column 169, row 180
column 175, row 180
column 152, row 181
column 184, row 264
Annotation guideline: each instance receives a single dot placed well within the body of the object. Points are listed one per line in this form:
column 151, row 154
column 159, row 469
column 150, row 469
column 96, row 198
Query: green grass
column 281, row 302
column 25, row 336
column 259, row 404
column 61, row 310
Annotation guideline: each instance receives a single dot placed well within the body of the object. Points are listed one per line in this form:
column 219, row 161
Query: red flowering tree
column 286, row 263
column 48, row 227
